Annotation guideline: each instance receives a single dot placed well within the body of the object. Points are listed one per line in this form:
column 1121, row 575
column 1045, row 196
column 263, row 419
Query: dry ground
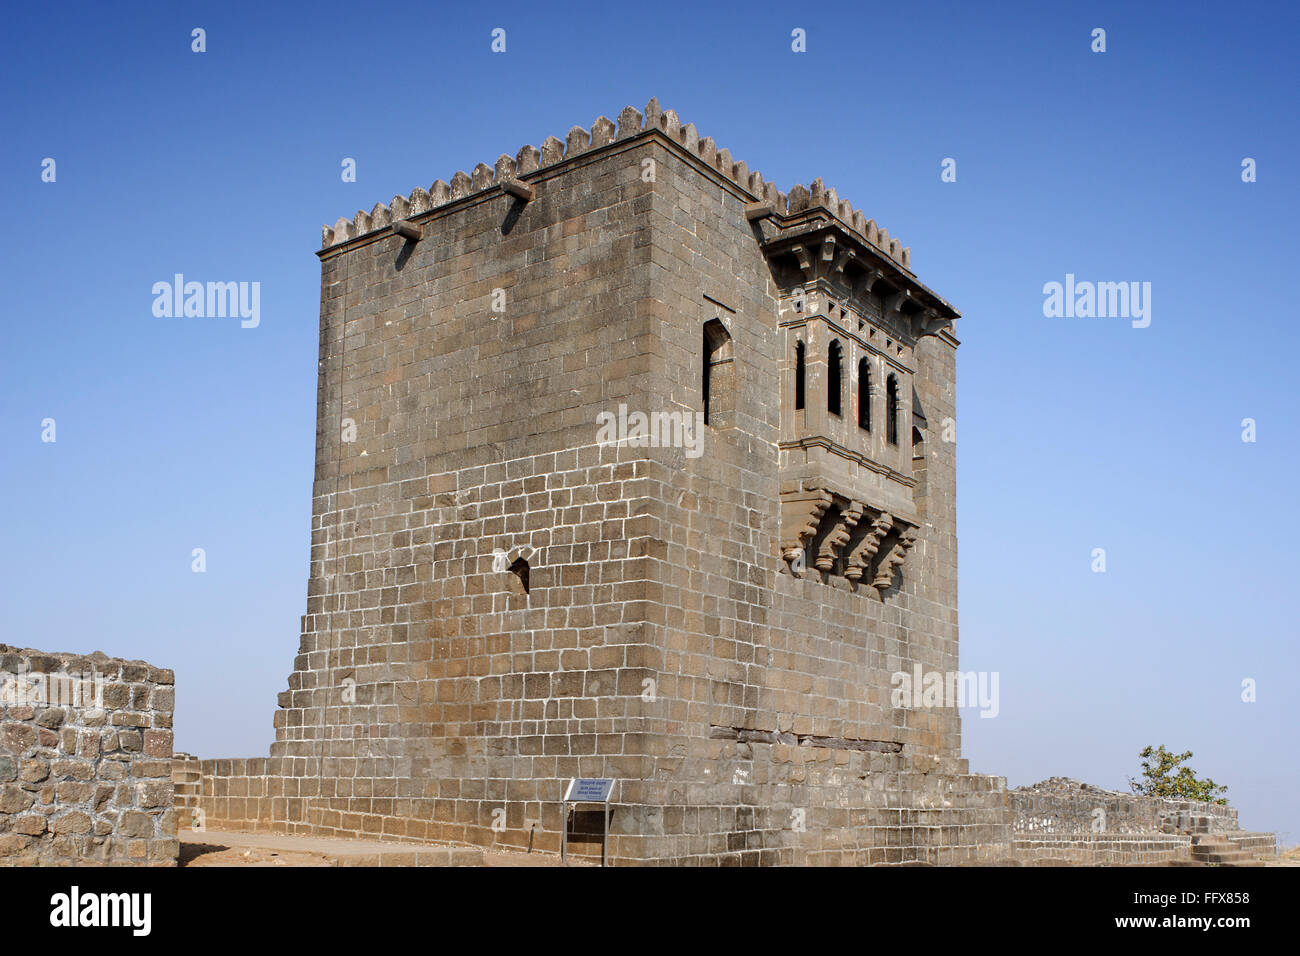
column 228, row 848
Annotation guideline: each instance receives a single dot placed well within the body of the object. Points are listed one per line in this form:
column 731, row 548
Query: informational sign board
column 586, row 790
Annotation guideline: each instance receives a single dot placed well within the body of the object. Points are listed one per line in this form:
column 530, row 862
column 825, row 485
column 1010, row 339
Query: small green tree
column 1159, row 778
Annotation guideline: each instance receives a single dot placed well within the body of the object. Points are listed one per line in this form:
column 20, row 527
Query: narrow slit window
column 719, row 373
column 891, row 409
column 834, row 383
column 798, row 375
column 864, row 395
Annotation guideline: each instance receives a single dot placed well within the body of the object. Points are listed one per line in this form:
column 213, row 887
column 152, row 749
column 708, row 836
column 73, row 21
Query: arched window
column 798, row 375
column 864, row 395
column 833, row 379
column 719, row 373
column 891, row 409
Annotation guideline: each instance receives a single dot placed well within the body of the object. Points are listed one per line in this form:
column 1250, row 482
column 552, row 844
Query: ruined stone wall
column 1064, row 821
column 1061, row 805
column 85, row 760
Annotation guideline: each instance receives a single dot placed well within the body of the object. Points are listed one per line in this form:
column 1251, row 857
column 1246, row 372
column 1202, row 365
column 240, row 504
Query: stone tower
column 501, row 598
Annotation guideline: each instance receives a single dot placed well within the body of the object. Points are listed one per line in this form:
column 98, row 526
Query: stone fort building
column 710, row 610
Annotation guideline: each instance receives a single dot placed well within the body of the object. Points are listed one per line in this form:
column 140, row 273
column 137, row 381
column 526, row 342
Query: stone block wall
column 655, row 635
column 498, row 601
column 85, row 760
column 1101, row 849
column 432, row 692
column 772, row 736
column 231, row 794
column 186, row 787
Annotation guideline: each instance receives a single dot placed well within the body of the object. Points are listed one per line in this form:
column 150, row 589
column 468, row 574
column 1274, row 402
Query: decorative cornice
column 824, row 250
column 831, row 445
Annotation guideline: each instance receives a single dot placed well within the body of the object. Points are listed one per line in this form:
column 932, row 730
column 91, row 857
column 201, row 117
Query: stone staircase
column 1217, row 850
column 1258, row 845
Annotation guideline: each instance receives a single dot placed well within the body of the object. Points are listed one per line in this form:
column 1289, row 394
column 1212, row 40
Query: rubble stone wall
column 85, row 760
column 1061, row 805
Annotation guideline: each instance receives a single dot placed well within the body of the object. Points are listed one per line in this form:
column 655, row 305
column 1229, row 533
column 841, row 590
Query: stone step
column 1223, row 857
column 1226, row 861
column 1260, row 846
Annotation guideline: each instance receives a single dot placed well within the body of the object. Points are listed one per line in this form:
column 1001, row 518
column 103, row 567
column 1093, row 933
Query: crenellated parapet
column 507, row 172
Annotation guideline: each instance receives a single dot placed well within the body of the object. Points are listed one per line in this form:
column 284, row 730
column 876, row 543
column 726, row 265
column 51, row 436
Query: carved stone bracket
column 839, row 535
column 894, row 558
column 857, row 536
column 866, row 281
column 860, row 558
column 805, row 260
column 801, row 513
column 929, row 322
column 894, row 306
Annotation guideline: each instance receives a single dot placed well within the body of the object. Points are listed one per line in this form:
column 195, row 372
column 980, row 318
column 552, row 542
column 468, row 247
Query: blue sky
column 1073, row 434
